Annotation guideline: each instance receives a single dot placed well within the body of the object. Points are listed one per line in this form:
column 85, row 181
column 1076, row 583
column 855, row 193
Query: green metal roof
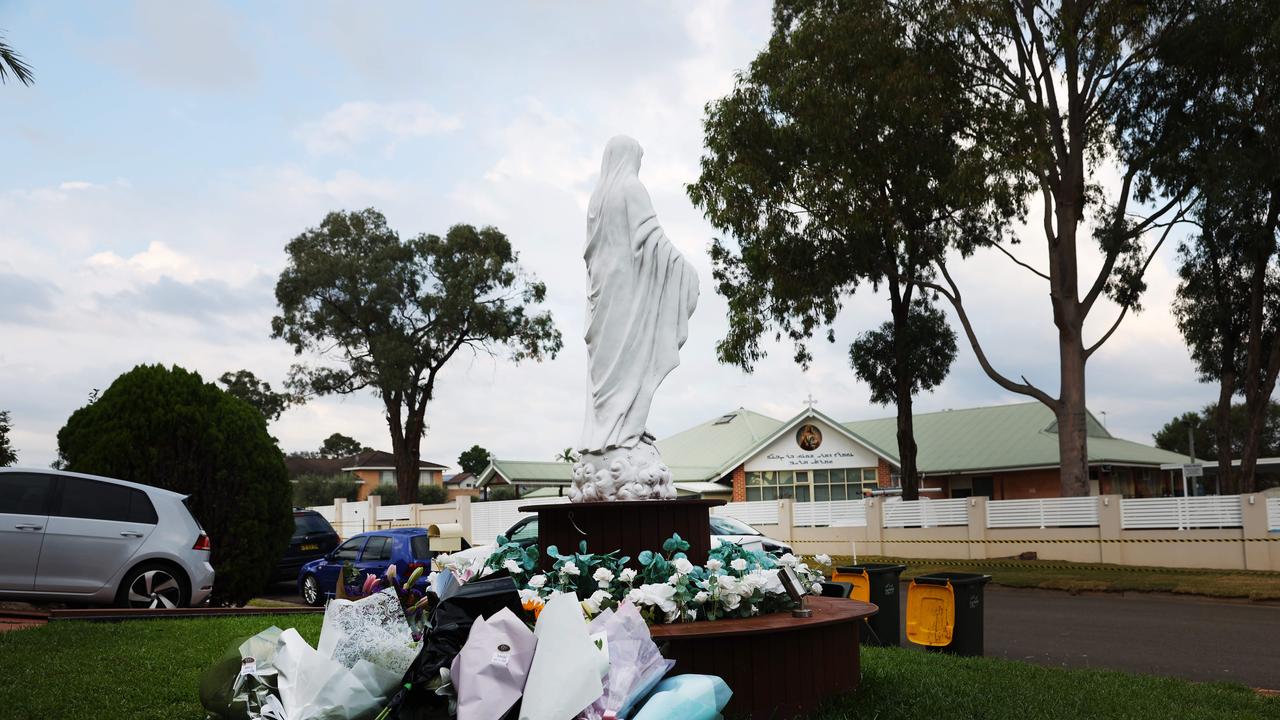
column 712, row 449
column 999, row 437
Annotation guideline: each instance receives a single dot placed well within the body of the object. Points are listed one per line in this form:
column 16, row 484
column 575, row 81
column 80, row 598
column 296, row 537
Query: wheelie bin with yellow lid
column 945, row 612
column 876, row 583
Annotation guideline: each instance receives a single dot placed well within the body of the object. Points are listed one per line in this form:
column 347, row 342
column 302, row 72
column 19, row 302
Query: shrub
column 168, row 428
column 311, row 490
column 427, row 494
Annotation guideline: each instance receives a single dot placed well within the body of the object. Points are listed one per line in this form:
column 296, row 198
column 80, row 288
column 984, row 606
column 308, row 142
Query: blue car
column 370, row 552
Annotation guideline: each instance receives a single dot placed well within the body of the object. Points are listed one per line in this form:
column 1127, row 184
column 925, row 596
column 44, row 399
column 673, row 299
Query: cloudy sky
column 168, row 151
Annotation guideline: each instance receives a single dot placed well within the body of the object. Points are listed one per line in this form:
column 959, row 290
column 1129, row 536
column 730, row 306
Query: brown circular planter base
column 777, row 666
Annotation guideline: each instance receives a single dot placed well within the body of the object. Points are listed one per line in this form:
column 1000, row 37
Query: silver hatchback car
column 72, row 537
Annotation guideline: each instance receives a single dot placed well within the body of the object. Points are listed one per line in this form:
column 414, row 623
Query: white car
column 83, row 538
column 723, row 529
column 726, row 529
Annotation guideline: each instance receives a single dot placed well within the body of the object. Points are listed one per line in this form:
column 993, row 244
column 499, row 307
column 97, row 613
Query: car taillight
column 202, row 543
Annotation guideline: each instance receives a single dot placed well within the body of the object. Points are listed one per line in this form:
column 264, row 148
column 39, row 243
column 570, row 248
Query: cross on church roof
column 810, row 401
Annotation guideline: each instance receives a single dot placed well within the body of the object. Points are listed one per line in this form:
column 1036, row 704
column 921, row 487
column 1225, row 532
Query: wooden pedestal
column 628, row 526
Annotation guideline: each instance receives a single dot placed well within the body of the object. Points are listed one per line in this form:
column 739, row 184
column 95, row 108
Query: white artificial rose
column 636, row 597
column 603, row 576
column 691, row 614
column 537, row 581
column 788, row 559
column 528, row 595
column 592, row 604
column 570, row 569
column 442, row 561
column 816, row 589
column 713, row 565
column 675, row 578
column 701, row 597
column 768, row 581
column 682, row 566
column 513, row 567
column 627, row 575
column 823, row 559
column 738, row 564
column 660, row 595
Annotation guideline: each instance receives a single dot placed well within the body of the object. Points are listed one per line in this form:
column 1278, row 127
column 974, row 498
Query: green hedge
column 168, row 428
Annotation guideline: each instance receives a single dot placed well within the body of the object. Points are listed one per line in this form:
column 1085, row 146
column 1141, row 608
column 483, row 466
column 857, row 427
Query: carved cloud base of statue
column 620, row 473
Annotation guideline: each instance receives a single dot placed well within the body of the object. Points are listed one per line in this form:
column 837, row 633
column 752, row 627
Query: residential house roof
column 367, row 460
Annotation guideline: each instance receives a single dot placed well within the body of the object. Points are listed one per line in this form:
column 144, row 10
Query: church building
column 1003, row 452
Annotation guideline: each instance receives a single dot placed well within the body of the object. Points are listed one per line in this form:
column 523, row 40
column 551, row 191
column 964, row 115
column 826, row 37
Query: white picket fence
column 757, row 512
column 926, row 513
column 1210, row 511
column 491, row 519
column 1050, row 512
column 833, row 513
column 1273, row 514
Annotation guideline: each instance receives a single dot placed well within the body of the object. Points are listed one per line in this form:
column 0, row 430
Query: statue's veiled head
column 622, row 152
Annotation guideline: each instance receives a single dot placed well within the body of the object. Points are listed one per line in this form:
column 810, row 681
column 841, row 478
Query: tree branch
column 1016, row 261
column 1125, row 308
column 952, row 294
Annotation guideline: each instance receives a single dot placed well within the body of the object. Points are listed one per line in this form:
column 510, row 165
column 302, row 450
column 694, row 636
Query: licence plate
column 310, row 547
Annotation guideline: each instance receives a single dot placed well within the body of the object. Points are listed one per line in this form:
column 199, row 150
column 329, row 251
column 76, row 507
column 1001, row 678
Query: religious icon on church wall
column 808, row 437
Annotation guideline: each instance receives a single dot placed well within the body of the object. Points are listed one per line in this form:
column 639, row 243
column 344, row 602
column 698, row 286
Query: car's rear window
column 308, row 523
column 420, row 546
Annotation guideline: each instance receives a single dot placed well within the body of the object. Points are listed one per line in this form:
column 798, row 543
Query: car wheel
column 152, row 586
column 311, row 594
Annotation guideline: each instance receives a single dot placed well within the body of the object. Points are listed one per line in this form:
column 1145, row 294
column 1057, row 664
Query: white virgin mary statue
column 640, row 294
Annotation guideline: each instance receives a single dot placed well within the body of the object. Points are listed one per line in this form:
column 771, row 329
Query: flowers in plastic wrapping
column 537, row 581
column 738, row 565
column 635, row 664
column 822, row 559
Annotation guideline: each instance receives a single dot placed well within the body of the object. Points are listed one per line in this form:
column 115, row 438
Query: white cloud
column 358, row 123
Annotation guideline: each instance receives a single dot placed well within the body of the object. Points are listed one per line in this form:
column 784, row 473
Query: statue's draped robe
column 640, row 294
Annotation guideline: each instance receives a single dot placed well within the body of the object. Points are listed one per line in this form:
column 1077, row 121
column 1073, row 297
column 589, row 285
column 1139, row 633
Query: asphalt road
column 1190, row 638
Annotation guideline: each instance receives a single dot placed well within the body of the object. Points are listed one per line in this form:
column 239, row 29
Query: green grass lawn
column 150, row 670
column 1077, row 577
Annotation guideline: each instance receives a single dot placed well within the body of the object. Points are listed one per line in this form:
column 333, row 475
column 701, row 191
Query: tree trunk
column 1222, row 421
column 1072, row 415
column 903, row 375
column 907, row 450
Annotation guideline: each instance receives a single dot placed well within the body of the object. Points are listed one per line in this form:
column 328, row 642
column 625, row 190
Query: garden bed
column 150, row 669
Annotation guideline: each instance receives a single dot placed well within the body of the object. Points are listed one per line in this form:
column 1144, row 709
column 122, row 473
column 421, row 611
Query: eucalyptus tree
column 1074, row 84
column 1228, row 297
column 839, row 161
column 389, row 315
